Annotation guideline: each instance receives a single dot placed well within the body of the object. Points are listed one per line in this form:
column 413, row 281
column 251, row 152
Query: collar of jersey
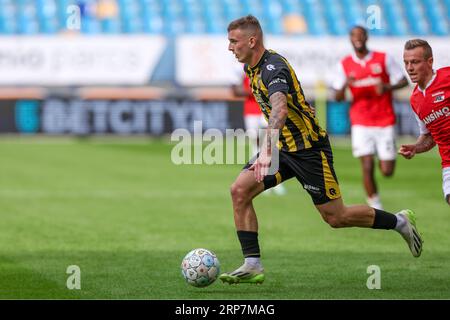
column 364, row 60
column 260, row 62
column 429, row 83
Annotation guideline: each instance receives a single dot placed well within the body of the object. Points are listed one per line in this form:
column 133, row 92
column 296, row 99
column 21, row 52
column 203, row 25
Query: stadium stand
column 169, row 17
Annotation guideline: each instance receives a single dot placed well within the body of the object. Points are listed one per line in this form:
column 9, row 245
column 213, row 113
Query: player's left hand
column 261, row 166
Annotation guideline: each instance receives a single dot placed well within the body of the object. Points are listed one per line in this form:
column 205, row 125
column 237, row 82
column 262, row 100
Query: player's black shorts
column 313, row 168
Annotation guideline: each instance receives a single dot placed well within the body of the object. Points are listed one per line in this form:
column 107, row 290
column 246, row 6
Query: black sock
column 249, row 243
column 384, row 220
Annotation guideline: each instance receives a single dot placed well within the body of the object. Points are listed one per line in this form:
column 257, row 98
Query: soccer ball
column 200, row 267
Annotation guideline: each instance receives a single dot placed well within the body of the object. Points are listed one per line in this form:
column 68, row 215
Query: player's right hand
column 261, row 166
column 407, row 150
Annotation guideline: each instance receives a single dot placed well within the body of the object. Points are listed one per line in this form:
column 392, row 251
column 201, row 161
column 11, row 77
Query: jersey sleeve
column 394, row 70
column 422, row 128
column 339, row 77
column 275, row 77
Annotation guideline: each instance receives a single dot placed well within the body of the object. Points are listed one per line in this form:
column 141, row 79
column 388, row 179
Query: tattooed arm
column 277, row 120
column 424, row 143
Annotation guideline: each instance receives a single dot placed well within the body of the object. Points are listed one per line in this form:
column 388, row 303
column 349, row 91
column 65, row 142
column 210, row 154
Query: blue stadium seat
column 27, row 17
column 334, row 17
column 273, row 11
column 436, row 17
column 447, row 5
column 365, row 4
column 151, row 16
column 112, row 26
column 7, row 26
column 416, row 18
column 252, row 7
column 396, row 22
column 153, row 24
column 172, row 14
column 196, row 26
column 215, row 24
column 323, row 17
column 214, row 17
column 47, row 16
column 8, row 21
column 292, row 6
column 130, row 18
column 314, row 17
column 191, row 9
column 193, row 17
column 90, row 25
column 232, row 13
column 353, row 13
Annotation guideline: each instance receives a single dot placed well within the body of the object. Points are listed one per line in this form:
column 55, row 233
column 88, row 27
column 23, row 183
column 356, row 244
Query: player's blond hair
column 419, row 43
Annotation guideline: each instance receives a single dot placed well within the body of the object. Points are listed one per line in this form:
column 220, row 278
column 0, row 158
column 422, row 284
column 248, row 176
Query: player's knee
column 234, row 190
column 387, row 172
column 239, row 193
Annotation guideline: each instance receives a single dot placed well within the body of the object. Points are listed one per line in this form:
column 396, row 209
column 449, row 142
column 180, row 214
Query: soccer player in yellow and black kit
column 303, row 150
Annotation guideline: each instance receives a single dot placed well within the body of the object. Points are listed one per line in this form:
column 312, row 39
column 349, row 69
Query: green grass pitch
column 121, row 211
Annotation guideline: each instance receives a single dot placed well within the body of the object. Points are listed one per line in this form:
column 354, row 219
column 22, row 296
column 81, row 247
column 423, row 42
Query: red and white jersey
column 368, row 107
column 432, row 107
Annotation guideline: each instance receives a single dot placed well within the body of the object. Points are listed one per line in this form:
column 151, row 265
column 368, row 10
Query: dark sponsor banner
column 338, row 121
column 128, row 117
column 125, row 117
column 7, row 116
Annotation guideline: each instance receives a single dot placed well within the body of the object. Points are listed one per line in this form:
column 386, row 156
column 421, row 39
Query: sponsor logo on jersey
column 437, row 93
column 435, row 115
column 376, row 68
column 439, row 98
column 277, row 80
column 270, row 67
column 311, row 188
column 366, row 82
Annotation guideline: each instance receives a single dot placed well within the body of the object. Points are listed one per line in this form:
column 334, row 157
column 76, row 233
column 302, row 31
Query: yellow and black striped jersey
column 273, row 73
